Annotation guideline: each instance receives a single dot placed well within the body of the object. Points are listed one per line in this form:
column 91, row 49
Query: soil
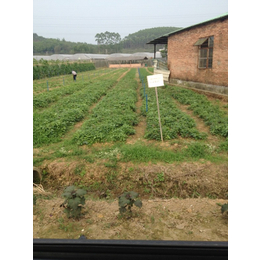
column 185, row 205
column 158, row 219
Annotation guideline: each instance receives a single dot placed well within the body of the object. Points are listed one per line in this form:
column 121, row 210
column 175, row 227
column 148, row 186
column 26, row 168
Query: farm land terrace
column 101, row 134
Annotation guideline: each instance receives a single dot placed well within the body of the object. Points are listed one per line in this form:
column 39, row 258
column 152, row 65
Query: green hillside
column 132, row 43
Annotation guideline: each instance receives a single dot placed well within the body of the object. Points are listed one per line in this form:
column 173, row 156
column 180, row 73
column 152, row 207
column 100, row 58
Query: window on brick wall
column 205, row 52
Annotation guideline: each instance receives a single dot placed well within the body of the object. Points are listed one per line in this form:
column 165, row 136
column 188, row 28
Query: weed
column 89, row 159
column 195, row 194
column 111, row 177
column 64, row 227
column 112, row 163
column 223, row 146
column 160, row 177
column 79, row 170
column 211, row 196
column 197, row 150
column 147, row 190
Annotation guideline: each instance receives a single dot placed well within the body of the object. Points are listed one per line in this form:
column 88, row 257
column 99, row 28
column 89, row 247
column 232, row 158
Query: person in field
column 74, row 73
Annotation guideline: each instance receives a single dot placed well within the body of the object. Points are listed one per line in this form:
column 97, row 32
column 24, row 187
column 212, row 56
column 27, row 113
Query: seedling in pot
column 127, row 200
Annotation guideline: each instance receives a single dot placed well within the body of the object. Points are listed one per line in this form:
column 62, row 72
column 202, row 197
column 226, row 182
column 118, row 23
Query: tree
column 107, row 38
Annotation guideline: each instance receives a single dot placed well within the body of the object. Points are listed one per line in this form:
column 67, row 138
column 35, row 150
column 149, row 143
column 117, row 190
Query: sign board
column 155, row 80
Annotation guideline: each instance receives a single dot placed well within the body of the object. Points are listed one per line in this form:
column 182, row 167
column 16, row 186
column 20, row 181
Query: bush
column 127, row 200
column 74, row 201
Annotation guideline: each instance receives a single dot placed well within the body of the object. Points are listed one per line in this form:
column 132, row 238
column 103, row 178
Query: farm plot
column 174, row 122
column 44, row 99
column 212, row 115
column 113, row 117
column 40, row 86
column 52, row 123
column 81, row 139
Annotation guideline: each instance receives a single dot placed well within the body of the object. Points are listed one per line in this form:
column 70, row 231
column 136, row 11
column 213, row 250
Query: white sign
column 155, row 80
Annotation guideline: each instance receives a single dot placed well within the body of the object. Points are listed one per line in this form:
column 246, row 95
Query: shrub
column 74, row 201
column 127, row 200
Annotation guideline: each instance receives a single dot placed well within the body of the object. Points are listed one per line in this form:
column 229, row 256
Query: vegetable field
column 101, row 134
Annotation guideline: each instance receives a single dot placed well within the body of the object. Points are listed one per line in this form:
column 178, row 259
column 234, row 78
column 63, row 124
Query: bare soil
column 158, row 219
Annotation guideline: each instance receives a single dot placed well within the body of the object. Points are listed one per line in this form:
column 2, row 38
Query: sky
column 81, row 20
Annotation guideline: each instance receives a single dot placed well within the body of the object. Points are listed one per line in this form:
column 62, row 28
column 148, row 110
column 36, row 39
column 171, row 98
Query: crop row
column 40, row 85
column 114, row 116
column 212, row 115
column 174, row 122
column 52, row 123
column 44, row 99
column 50, row 70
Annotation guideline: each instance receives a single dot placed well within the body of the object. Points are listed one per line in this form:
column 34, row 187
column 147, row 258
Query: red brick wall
column 183, row 55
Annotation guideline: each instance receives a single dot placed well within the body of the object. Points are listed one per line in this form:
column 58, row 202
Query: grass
column 136, row 153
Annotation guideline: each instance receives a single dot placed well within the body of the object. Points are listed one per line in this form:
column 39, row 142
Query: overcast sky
column 81, row 20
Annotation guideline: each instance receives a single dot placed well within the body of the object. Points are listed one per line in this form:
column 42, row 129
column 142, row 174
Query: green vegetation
column 139, row 39
column 109, row 43
column 174, row 122
column 127, row 200
column 44, row 68
column 114, row 117
column 224, row 208
column 212, row 115
column 52, row 123
column 74, row 201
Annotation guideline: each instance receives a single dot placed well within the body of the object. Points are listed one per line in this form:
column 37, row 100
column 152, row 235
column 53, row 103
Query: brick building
column 199, row 53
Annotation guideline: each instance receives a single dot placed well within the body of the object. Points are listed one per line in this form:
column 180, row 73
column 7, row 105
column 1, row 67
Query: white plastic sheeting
column 91, row 56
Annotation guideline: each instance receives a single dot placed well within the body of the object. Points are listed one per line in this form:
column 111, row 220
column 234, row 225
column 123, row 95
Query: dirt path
column 140, row 128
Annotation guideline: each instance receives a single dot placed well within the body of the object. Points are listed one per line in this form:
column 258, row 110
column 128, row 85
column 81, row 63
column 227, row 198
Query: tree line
column 107, row 43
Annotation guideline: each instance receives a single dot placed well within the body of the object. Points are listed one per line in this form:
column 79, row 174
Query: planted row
column 174, row 122
column 114, row 116
column 212, row 115
column 52, row 123
column 44, row 99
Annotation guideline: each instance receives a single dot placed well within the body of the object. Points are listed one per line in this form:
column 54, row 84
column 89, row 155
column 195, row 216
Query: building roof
column 164, row 38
